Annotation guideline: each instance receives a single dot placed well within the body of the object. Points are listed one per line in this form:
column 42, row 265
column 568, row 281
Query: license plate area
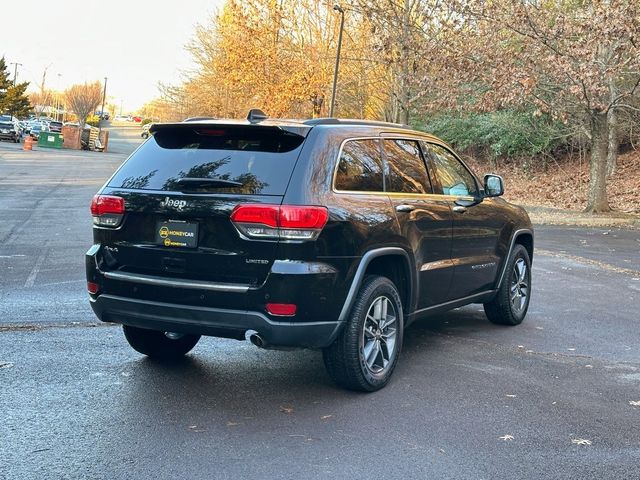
column 177, row 234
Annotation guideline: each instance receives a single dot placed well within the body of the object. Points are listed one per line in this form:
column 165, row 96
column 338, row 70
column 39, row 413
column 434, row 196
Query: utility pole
column 15, row 71
column 58, row 99
column 104, row 96
column 337, row 8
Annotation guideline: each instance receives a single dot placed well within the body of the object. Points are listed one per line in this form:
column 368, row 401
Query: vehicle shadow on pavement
column 235, row 382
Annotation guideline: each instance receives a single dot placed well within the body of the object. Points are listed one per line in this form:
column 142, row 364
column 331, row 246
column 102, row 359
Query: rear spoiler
column 292, row 128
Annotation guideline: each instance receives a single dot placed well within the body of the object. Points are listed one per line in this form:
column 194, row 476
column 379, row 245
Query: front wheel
column 365, row 354
column 160, row 345
column 510, row 304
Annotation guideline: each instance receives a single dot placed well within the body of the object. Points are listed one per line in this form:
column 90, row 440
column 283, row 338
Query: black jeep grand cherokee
column 331, row 234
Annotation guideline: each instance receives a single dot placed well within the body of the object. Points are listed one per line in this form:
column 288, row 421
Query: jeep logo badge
column 177, row 204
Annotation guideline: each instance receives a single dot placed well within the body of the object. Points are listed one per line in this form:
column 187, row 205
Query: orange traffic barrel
column 28, row 143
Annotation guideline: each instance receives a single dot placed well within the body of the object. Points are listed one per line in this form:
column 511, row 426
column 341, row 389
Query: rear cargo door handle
column 459, row 209
column 405, row 208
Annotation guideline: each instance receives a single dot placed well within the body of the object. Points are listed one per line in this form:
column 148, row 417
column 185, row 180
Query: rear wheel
column 157, row 344
column 510, row 304
column 365, row 354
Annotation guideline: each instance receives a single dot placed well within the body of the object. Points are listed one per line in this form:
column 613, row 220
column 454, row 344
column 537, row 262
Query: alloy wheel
column 379, row 335
column 519, row 291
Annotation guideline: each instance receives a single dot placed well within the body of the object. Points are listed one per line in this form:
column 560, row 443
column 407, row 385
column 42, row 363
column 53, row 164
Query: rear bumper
column 215, row 322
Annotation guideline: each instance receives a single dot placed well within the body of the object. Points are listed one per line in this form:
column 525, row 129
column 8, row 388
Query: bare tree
column 83, row 99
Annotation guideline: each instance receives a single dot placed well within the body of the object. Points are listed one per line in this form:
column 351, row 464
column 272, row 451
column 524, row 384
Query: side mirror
column 493, row 185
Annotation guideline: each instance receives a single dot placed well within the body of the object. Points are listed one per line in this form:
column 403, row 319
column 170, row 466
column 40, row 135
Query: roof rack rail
column 351, row 121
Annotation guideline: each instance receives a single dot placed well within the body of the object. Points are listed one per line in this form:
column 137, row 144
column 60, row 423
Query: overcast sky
column 134, row 43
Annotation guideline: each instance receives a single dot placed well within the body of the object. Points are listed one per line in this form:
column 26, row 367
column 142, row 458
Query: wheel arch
column 522, row 237
column 391, row 262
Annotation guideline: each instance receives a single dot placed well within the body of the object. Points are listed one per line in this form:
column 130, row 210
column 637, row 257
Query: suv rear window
column 260, row 158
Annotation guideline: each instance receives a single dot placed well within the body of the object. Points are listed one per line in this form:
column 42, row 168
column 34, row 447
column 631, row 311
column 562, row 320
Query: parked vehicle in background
column 145, row 130
column 137, row 119
column 37, row 128
column 122, row 118
column 10, row 131
column 325, row 233
column 55, row 126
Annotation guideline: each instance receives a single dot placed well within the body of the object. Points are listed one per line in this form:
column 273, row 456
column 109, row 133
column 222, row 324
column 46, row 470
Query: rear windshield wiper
column 189, row 182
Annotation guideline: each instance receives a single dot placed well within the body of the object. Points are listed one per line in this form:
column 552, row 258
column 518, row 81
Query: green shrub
column 146, row 120
column 500, row 134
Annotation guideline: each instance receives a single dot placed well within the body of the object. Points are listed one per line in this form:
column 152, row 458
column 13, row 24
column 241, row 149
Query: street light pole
column 104, row 96
column 58, row 99
column 337, row 8
column 15, row 71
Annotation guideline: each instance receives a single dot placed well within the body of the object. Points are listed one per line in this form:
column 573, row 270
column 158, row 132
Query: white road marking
column 36, row 268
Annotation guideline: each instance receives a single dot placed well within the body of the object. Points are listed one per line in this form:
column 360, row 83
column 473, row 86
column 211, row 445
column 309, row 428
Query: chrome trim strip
column 359, row 276
column 175, row 282
column 515, row 235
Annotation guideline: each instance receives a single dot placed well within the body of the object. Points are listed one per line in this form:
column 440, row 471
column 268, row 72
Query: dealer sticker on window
column 177, row 233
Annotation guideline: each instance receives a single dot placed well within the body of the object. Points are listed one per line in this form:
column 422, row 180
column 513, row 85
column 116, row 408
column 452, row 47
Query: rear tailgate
column 179, row 189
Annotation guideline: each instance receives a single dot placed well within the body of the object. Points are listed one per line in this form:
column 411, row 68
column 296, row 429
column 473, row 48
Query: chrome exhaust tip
column 255, row 338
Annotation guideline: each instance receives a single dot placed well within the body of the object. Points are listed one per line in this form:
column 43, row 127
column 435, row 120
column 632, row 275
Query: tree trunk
column 597, row 201
column 404, row 94
column 614, row 142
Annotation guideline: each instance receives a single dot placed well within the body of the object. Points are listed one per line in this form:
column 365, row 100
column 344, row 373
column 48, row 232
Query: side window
column 453, row 176
column 360, row 167
column 407, row 170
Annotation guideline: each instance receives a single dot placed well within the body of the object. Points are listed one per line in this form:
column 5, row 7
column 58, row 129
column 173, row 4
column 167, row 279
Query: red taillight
column 303, row 217
column 262, row 214
column 102, row 204
column 282, row 309
column 93, row 288
column 288, row 222
column 107, row 210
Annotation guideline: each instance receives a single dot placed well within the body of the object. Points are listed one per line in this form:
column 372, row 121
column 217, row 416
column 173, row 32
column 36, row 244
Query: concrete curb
column 557, row 216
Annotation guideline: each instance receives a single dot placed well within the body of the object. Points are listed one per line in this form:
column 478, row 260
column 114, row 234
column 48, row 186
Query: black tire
column 515, row 285
column 157, row 344
column 345, row 359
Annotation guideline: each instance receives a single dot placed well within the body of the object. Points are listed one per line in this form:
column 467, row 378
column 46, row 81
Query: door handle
column 459, row 209
column 405, row 208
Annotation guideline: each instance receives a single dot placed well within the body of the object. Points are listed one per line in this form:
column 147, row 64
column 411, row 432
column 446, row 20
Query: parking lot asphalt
column 557, row 397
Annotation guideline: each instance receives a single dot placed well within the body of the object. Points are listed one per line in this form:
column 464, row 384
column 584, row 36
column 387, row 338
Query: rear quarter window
column 360, row 167
column 260, row 158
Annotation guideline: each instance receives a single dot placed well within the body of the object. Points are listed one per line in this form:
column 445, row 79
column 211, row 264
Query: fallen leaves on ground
column 288, row 409
column 634, row 403
column 566, row 182
column 6, row 364
column 506, row 438
column 581, row 441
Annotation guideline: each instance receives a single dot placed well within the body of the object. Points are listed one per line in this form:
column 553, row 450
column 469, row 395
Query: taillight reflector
column 93, row 288
column 282, row 309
